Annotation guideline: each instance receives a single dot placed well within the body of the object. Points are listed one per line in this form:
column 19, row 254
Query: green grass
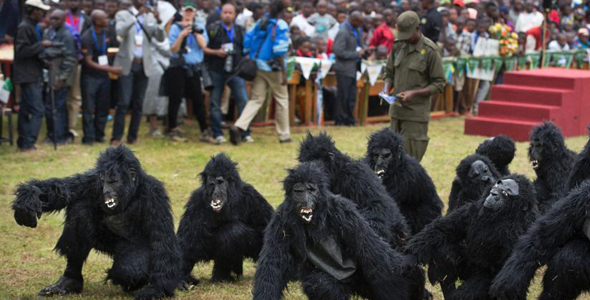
column 27, row 260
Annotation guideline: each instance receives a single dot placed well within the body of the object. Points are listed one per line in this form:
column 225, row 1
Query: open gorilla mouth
column 216, row 205
column 380, row 173
column 306, row 214
column 110, row 202
column 535, row 163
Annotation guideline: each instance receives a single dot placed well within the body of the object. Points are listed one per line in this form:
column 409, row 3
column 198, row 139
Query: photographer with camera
column 96, row 84
column 227, row 40
column 267, row 44
column 28, row 73
column 62, row 58
column 183, row 78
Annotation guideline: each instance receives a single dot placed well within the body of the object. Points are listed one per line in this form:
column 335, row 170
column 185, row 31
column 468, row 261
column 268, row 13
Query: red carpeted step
column 526, row 79
column 529, row 94
column 518, row 130
column 517, row 111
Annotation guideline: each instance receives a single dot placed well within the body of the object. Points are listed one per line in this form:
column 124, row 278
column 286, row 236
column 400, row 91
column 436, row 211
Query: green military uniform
column 413, row 67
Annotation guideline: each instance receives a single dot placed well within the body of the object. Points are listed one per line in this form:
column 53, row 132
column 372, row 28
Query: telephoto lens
column 229, row 62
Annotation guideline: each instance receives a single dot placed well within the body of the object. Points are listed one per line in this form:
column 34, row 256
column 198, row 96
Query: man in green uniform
column 414, row 71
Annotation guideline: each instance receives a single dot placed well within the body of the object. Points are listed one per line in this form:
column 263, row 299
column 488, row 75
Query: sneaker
column 234, row 135
column 155, row 133
column 74, row 133
column 248, row 139
column 176, row 136
column 221, row 139
column 206, row 137
column 285, row 141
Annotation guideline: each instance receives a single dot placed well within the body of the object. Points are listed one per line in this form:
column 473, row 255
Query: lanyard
column 104, row 44
column 73, row 21
column 230, row 32
column 138, row 24
column 355, row 32
column 38, row 30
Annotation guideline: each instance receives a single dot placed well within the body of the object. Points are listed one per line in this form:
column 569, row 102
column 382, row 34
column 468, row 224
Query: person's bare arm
column 105, row 68
column 202, row 42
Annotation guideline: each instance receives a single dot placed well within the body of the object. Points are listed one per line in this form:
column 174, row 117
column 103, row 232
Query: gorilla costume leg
column 474, row 288
column 319, row 285
column 224, row 266
column 130, row 266
column 75, row 244
column 568, row 272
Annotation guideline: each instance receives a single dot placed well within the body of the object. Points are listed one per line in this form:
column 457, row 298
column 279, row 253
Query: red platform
column 528, row 98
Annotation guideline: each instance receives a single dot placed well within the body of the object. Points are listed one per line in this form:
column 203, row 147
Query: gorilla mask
column 480, row 171
column 383, row 159
column 114, row 187
column 546, row 144
column 217, row 192
column 305, row 196
column 500, row 193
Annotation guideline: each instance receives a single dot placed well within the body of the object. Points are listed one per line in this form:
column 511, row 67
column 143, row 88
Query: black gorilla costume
column 224, row 222
column 559, row 239
column 478, row 237
column 475, row 173
column 404, row 178
column 552, row 162
column 117, row 209
column 354, row 180
column 581, row 169
column 332, row 246
column 500, row 150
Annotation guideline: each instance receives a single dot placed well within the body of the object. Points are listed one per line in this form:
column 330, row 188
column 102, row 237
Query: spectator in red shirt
column 536, row 33
column 385, row 34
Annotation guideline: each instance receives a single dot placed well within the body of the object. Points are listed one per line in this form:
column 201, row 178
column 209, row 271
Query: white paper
column 388, row 98
column 486, row 47
column 103, row 60
column 374, row 71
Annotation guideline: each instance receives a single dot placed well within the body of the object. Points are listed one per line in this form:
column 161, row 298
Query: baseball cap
column 583, row 31
column 189, row 4
column 38, row 4
column 407, row 24
column 459, row 3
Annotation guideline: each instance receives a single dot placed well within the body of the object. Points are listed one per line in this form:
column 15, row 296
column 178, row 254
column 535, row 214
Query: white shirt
column 527, row 21
column 554, row 46
column 303, row 25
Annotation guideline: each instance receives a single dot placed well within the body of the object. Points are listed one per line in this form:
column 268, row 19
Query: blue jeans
column 238, row 90
column 30, row 115
column 61, row 115
column 96, row 94
column 131, row 93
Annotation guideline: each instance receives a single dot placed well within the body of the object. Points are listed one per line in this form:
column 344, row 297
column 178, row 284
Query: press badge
column 103, row 60
column 139, row 39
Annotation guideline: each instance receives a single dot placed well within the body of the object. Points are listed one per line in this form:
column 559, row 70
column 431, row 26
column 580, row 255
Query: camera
column 274, row 65
column 196, row 29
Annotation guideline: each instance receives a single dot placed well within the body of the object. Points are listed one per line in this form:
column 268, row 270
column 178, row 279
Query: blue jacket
column 269, row 48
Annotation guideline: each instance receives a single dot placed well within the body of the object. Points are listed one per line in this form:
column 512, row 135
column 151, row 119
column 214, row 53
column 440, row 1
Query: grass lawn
column 28, row 262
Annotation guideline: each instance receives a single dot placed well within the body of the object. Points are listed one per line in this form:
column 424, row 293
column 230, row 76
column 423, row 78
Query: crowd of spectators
column 161, row 63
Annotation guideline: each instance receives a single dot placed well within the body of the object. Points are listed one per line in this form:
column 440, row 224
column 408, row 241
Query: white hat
column 38, row 4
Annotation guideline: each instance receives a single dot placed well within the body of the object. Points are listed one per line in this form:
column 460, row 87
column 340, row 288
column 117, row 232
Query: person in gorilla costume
column 354, row 180
column 116, row 209
column 558, row 239
column 552, row 162
column 475, row 174
column 581, row 169
column 478, row 237
column 500, row 150
column 224, row 222
column 404, row 178
column 326, row 240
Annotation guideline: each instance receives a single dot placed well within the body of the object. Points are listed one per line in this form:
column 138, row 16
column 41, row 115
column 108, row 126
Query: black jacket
column 431, row 24
column 28, row 67
column 217, row 37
